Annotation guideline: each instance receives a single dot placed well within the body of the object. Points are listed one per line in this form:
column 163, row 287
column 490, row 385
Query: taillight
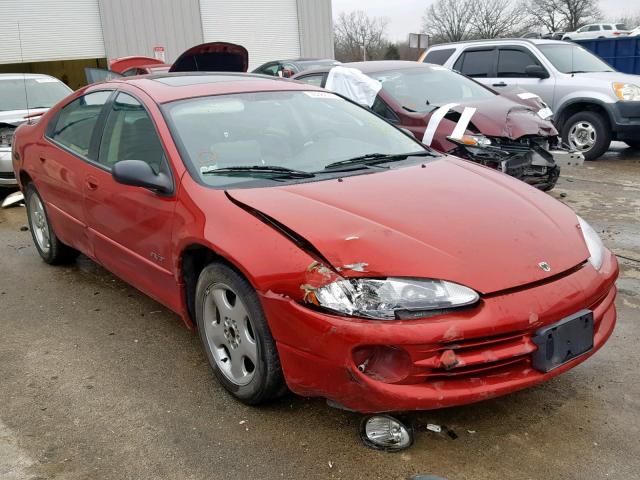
column 616, row 33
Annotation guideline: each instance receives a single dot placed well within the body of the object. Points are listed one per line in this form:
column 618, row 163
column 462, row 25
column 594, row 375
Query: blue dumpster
column 622, row 53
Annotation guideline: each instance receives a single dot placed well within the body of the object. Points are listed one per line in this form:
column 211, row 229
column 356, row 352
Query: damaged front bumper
column 452, row 359
column 529, row 159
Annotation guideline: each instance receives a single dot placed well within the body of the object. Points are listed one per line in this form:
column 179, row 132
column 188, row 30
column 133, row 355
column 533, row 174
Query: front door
column 512, row 64
column 130, row 227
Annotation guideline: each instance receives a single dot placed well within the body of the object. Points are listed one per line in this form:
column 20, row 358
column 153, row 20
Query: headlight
column 471, row 140
column 594, row 244
column 627, row 91
column 383, row 298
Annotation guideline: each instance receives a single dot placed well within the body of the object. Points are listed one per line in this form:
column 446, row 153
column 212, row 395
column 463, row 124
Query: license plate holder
column 563, row 341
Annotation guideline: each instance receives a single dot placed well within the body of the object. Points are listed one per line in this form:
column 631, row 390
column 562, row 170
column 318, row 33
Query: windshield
column 42, row 92
column 423, row 89
column 573, row 59
column 305, row 131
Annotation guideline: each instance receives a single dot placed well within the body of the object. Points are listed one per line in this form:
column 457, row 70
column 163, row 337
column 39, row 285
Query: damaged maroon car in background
column 512, row 132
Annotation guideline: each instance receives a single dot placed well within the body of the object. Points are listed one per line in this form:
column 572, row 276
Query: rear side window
column 476, row 63
column 75, row 122
column 607, row 27
column 621, row 26
column 129, row 134
column 439, row 56
column 512, row 63
column 316, row 80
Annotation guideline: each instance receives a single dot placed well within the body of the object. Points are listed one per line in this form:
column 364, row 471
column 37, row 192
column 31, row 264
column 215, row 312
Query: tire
column 588, row 132
column 233, row 329
column 49, row 246
column 635, row 144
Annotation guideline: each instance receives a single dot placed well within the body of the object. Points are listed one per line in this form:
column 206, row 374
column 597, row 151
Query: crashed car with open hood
column 207, row 57
column 314, row 245
column 454, row 114
column 23, row 98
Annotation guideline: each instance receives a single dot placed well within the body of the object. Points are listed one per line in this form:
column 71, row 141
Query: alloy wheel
column 230, row 334
column 582, row 136
column 39, row 224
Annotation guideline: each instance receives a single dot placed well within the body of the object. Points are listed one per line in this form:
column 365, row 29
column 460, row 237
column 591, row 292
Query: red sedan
column 314, row 245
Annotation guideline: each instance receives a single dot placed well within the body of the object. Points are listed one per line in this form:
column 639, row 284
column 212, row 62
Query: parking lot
column 100, row 381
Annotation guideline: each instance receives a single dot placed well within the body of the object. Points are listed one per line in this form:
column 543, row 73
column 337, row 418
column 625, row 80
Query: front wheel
column 236, row 336
column 587, row 132
column 49, row 246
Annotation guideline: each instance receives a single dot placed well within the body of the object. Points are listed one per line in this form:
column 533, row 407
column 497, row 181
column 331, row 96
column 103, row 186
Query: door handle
column 501, row 84
column 91, row 183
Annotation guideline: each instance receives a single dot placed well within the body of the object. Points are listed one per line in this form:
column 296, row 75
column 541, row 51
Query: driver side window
column 129, row 134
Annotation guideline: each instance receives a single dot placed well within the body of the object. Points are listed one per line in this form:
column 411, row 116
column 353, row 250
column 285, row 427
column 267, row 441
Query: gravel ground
column 99, row 381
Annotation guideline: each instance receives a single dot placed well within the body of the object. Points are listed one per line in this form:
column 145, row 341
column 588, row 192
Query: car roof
column 533, row 41
column 369, row 67
column 20, row 76
column 168, row 87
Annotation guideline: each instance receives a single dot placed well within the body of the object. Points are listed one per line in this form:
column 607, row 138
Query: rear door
column 65, row 159
column 479, row 63
column 130, row 227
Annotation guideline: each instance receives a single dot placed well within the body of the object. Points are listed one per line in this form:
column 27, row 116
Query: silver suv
column 592, row 103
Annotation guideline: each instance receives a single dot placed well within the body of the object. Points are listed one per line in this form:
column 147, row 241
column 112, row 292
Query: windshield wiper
column 281, row 172
column 375, row 158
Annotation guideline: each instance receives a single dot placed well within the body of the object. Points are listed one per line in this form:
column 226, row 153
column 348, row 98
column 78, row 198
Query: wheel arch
column 194, row 257
column 579, row 105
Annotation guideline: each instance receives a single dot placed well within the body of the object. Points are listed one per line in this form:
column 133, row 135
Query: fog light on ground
column 384, row 432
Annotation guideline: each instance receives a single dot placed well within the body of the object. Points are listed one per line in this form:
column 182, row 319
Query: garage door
column 49, row 30
column 267, row 29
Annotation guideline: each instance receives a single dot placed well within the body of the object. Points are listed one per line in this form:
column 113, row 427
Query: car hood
column 450, row 219
column 213, row 57
column 501, row 116
column 606, row 77
column 17, row 117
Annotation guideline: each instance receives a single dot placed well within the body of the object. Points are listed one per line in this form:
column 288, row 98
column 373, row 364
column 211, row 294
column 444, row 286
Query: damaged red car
column 511, row 132
column 315, row 246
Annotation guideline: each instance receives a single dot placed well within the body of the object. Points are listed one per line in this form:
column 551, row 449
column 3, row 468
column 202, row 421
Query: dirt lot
column 99, row 381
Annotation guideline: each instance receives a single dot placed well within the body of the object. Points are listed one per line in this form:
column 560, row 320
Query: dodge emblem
column 545, row 266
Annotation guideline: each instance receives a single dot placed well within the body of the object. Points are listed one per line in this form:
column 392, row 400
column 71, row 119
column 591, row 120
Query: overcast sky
column 405, row 16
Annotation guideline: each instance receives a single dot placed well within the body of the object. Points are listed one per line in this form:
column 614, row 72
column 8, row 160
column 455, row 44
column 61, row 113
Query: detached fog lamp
column 383, row 432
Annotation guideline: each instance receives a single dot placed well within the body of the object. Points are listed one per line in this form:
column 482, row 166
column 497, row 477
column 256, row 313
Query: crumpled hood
column 451, row 220
column 500, row 116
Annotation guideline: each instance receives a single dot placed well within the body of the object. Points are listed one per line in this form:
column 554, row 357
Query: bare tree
column 565, row 15
column 496, row 18
column 358, row 36
column 631, row 20
column 448, row 20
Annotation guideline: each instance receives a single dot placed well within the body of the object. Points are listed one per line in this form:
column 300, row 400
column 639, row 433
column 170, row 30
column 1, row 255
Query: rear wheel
column 588, row 132
column 49, row 246
column 236, row 336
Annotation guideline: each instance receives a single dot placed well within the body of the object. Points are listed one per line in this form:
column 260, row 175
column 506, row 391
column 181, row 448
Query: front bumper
column 487, row 349
column 7, row 177
column 625, row 118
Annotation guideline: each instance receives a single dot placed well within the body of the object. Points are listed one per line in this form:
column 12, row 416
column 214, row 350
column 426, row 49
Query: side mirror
column 140, row 174
column 536, row 71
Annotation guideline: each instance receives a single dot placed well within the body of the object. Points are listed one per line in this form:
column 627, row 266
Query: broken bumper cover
column 448, row 360
column 7, row 177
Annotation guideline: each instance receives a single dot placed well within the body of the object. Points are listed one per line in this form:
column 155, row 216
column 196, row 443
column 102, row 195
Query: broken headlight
column 471, row 141
column 383, row 298
column 594, row 243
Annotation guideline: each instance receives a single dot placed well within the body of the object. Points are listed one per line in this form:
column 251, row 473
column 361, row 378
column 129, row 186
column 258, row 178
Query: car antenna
column 24, row 76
